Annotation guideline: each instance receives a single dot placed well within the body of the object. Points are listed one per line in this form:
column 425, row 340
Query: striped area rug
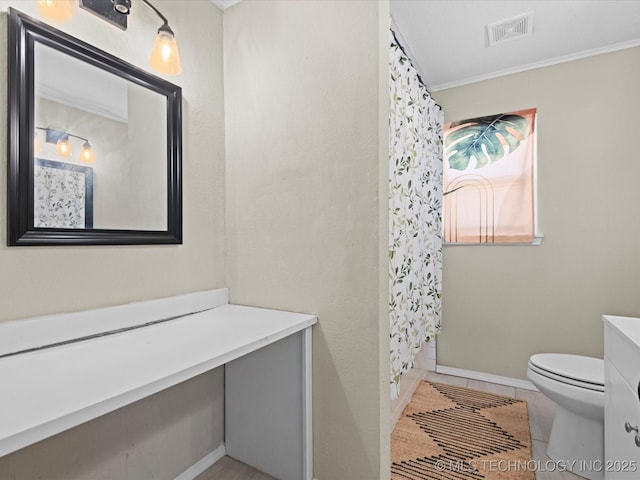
column 454, row 433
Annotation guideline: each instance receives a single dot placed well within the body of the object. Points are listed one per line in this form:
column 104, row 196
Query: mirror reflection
column 100, row 148
column 95, row 144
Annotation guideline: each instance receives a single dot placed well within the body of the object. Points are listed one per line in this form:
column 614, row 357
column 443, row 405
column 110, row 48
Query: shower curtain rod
column 395, row 37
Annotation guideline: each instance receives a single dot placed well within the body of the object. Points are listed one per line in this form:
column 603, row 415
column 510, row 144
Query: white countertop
column 46, row 391
column 629, row 327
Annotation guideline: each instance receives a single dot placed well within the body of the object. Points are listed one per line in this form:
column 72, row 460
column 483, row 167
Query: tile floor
column 229, row 469
column 540, row 417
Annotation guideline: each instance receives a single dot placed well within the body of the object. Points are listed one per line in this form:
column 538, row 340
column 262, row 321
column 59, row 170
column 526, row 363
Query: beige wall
column 49, row 280
column 306, row 189
column 156, row 438
column 307, row 140
column 39, row 280
column 502, row 304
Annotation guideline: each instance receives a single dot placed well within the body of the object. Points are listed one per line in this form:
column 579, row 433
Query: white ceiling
column 447, row 39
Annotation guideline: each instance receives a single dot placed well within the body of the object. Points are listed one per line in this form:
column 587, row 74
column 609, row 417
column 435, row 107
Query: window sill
column 537, row 241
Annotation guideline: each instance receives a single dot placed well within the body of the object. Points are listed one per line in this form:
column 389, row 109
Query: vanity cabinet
column 161, row 343
column 622, row 398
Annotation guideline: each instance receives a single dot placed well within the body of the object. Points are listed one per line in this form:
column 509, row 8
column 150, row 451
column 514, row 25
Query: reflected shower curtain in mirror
column 415, row 214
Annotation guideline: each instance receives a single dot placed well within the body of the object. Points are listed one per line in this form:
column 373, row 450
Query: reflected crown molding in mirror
column 61, row 84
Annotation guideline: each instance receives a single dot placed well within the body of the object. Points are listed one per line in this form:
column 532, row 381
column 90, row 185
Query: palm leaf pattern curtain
column 415, row 216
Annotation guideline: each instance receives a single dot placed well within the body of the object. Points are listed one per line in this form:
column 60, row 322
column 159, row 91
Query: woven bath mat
column 448, row 432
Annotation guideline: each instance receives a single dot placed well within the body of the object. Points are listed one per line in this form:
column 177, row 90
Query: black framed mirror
column 74, row 104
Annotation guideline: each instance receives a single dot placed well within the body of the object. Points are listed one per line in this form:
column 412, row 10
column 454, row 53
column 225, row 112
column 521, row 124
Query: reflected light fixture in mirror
column 165, row 57
column 37, row 144
column 87, row 155
column 63, row 144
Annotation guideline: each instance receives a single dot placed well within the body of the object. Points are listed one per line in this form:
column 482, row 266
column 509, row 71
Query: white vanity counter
column 622, row 397
column 627, row 327
column 48, row 390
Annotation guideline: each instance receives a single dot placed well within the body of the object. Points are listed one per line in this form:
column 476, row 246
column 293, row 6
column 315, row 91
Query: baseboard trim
column 486, row 377
column 409, row 382
column 201, row 465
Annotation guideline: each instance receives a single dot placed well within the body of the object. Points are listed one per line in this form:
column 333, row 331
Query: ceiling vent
column 510, row 29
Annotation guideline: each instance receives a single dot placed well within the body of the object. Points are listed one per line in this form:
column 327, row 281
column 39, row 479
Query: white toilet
column 576, row 384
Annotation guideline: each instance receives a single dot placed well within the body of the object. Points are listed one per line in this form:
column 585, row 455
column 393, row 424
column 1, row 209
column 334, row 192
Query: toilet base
column 577, row 442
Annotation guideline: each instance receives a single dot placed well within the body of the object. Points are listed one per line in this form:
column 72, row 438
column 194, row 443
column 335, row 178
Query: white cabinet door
column 621, row 407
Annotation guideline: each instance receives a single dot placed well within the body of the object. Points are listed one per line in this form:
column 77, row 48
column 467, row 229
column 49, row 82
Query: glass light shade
column 37, row 144
column 63, row 147
column 165, row 57
column 87, row 155
column 56, row 10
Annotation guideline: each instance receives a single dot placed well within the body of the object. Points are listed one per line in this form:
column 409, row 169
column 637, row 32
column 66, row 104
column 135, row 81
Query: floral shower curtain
column 415, row 208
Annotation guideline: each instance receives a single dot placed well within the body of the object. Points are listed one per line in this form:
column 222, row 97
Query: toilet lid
column 573, row 367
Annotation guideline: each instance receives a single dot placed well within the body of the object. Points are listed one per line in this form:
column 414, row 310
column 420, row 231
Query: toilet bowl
column 576, row 384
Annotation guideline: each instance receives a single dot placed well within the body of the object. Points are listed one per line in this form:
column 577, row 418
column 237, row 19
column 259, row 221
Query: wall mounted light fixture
column 63, row 144
column 56, row 10
column 165, row 57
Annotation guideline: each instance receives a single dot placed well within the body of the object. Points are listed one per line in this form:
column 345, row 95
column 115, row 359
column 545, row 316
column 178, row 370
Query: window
column 489, row 184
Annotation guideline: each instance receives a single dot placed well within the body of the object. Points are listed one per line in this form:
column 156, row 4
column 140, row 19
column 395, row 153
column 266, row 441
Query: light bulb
column 63, row 147
column 56, row 10
column 165, row 57
column 37, row 144
column 87, row 155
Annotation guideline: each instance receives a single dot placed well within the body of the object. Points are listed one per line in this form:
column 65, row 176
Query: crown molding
column 532, row 66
